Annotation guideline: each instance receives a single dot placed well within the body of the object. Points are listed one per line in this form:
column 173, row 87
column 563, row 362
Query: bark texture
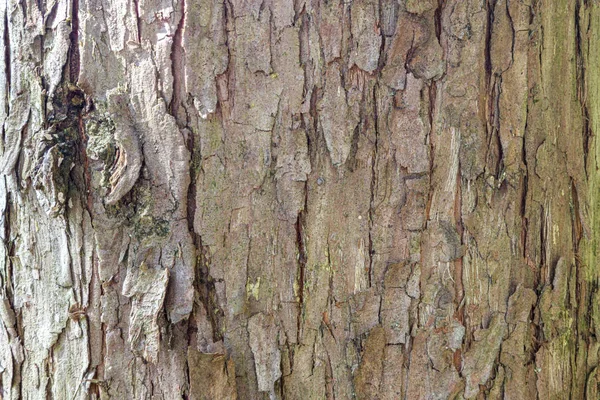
column 299, row 199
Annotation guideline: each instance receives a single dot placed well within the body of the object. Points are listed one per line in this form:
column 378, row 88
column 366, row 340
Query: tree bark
column 299, row 199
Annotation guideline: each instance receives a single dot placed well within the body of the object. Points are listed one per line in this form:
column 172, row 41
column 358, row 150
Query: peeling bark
column 391, row 199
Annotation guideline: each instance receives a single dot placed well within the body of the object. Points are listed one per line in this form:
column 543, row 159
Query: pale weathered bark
column 300, row 199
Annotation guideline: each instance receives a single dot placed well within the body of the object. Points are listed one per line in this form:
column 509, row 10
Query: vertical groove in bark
column 301, row 257
column 177, row 69
column 74, row 45
column 7, row 65
column 373, row 185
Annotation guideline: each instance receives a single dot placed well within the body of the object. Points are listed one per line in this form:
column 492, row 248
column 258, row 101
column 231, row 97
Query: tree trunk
column 299, row 199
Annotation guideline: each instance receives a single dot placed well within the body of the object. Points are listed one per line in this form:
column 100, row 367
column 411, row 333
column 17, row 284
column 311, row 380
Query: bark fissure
column 74, row 47
column 136, row 10
column 581, row 81
column 7, row 64
column 301, row 262
column 373, row 186
column 177, row 53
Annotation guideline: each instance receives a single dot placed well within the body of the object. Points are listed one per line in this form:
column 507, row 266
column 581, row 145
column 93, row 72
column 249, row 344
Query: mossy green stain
column 148, row 226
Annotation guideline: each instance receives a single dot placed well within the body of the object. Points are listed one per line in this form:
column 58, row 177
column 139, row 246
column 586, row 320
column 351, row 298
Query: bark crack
column 302, row 258
column 581, row 85
column 373, row 185
column 177, row 64
column 7, row 62
column 136, row 5
column 73, row 57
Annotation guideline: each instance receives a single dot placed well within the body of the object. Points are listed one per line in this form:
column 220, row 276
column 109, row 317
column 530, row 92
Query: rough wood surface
column 299, row 199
